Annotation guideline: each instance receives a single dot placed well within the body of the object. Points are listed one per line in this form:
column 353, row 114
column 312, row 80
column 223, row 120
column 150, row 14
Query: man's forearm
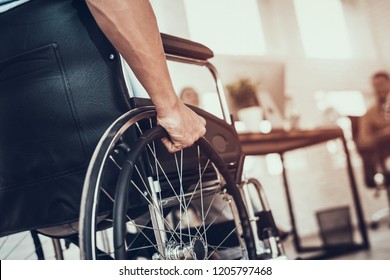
column 131, row 27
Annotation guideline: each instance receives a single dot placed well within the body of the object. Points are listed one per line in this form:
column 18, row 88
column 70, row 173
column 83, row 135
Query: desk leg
column 387, row 182
column 355, row 196
column 297, row 242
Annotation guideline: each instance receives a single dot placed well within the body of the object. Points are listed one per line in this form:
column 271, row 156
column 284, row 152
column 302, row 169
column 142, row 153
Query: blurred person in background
column 375, row 125
column 189, row 96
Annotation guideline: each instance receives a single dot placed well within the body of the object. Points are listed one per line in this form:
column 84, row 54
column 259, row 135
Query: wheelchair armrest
column 185, row 48
column 136, row 102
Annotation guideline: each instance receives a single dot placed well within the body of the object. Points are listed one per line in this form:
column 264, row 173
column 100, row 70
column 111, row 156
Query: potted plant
column 242, row 94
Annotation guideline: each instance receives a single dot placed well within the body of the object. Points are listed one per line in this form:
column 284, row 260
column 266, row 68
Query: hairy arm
column 131, row 27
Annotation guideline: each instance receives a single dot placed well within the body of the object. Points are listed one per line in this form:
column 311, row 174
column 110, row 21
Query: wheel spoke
column 165, row 175
column 181, row 203
column 188, row 203
column 190, row 200
column 216, row 217
column 182, row 198
column 216, row 249
column 152, row 228
column 198, row 183
column 212, row 201
column 159, row 164
column 115, row 162
column 140, row 248
column 104, row 191
column 143, row 182
column 153, row 205
column 201, row 196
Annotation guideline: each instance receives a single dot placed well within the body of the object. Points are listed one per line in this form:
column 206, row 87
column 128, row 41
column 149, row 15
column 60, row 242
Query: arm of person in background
column 366, row 136
column 366, row 145
column 131, row 27
column 382, row 140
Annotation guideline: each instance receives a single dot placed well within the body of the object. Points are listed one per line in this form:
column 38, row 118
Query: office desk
column 281, row 142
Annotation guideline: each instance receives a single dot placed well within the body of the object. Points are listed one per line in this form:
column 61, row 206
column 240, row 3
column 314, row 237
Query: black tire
column 134, row 188
column 374, row 225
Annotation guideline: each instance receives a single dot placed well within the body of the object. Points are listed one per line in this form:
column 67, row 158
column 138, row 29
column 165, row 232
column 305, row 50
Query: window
column 228, row 27
column 323, row 29
column 340, row 101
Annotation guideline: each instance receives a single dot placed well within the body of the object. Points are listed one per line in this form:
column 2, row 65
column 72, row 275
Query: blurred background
column 312, row 60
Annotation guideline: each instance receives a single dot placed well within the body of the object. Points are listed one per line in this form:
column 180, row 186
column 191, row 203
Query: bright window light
column 274, row 164
column 211, row 104
column 228, row 27
column 265, row 127
column 344, row 102
column 323, row 29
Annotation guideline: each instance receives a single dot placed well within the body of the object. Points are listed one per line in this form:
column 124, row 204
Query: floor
column 19, row 246
column 379, row 247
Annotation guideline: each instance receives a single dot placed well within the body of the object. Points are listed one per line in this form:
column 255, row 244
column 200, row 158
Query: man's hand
column 183, row 126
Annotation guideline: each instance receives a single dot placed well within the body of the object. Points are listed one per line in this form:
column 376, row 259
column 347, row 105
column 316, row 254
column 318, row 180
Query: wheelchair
column 188, row 205
column 131, row 199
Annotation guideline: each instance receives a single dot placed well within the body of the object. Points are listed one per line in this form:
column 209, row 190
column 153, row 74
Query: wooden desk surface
column 283, row 141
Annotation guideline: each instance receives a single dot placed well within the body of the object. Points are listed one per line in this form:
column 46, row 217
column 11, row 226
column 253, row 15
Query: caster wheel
column 374, row 225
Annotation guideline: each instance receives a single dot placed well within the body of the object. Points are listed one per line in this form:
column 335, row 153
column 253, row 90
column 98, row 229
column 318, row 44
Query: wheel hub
column 194, row 250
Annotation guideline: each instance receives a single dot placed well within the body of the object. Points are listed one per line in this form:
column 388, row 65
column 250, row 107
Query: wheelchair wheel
column 139, row 201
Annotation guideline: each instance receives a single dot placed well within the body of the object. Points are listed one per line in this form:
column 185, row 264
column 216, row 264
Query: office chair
column 375, row 173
